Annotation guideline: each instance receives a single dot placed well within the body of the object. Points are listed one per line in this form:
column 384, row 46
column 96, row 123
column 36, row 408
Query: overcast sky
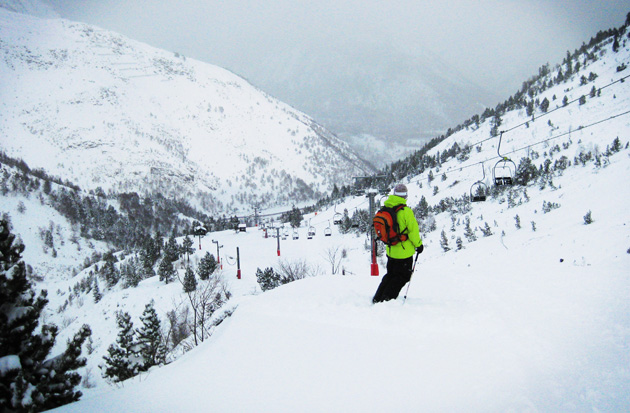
column 498, row 43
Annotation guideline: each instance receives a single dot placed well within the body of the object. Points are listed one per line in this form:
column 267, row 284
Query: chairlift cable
column 451, row 169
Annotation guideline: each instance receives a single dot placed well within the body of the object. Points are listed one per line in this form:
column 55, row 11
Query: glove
column 420, row 249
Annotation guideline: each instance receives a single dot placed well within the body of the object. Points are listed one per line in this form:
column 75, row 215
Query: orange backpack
column 386, row 225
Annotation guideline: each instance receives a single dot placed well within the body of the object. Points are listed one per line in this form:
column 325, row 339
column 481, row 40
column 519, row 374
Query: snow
column 8, row 363
column 521, row 320
column 503, row 324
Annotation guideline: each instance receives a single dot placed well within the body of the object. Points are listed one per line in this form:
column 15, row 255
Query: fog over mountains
column 378, row 89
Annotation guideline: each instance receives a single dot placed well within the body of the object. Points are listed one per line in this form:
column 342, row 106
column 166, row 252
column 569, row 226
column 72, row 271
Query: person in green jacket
column 400, row 256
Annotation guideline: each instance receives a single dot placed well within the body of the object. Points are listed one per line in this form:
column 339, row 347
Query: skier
column 400, row 256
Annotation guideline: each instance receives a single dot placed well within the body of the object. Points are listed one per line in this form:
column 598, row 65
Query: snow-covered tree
column 149, row 338
column 166, row 270
column 486, row 230
column 207, row 266
column 190, row 283
column 171, row 249
column 28, row 381
column 469, row 233
column 268, row 279
column 122, row 361
column 96, row 292
column 187, row 247
column 110, row 273
column 444, row 242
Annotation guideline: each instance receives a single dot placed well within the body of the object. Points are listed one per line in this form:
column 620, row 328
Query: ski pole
column 411, row 276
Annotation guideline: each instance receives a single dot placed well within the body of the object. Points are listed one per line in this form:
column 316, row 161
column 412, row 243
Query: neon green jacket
column 407, row 224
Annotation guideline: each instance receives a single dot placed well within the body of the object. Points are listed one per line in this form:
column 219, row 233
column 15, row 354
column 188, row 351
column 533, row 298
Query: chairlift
column 311, row 232
column 504, row 170
column 479, row 189
column 296, row 235
column 328, row 231
column 337, row 218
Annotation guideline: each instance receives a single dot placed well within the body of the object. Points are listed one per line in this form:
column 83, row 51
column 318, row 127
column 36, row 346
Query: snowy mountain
column 105, row 111
column 518, row 303
column 371, row 91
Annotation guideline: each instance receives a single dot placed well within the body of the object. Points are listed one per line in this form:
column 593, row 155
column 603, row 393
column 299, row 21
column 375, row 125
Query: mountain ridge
column 133, row 114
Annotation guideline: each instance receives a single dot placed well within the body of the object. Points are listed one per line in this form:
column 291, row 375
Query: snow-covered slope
column 527, row 321
column 529, row 317
column 102, row 110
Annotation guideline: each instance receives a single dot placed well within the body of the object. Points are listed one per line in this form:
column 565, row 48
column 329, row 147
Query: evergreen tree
column 207, row 266
column 268, row 279
column 166, row 270
column 190, row 283
column 121, row 363
column 187, row 247
column 29, row 382
column 444, row 242
column 131, row 273
column 346, row 223
column 110, row 273
column 588, row 218
column 486, row 230
column 460, row 243
column 422, row 210
column 469, row 233
column 58, row 389
column 544, row 105
column 150, row 342
column 295, row 217
column 517, row 220
column 96, row 292
column 171, row 249
column 525, row 172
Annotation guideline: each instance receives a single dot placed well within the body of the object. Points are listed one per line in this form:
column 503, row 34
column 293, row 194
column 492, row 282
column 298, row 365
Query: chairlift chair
column 479, row 189
column 328, row 231
column 337, row 218
column 504, row 170
column 311, row 232
column 296, row 235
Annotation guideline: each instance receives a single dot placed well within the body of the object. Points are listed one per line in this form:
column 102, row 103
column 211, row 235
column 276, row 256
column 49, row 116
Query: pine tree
column 121, row 363
column 96, row 292
column 110, row 273
column 207, row 266
column 187, row 247
column 295, row 217
column 444, row 242
column 131, row 273
column 469, row 233
column 486, row 230
column 422, row 210
column 267, row 279
column 150, row 342
column 29, row 382
column 190, row 283
column 460, row 243
column 588, row 218
column 518, row 221
column 166, row 270
column 171, row 249
column 58, row 388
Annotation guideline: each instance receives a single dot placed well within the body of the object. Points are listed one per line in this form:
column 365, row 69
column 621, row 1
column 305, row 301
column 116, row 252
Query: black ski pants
column 398, row 274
